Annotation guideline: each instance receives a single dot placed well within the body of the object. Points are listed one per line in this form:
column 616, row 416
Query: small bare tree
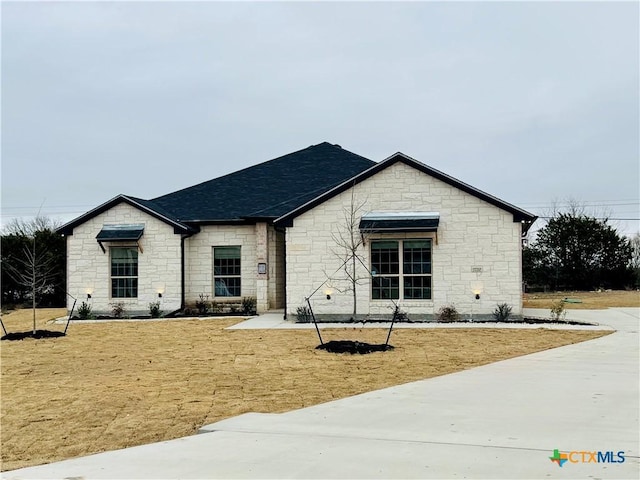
column 35, row 269
column 348, row 241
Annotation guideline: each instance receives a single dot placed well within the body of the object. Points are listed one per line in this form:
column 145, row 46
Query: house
column 272, row 231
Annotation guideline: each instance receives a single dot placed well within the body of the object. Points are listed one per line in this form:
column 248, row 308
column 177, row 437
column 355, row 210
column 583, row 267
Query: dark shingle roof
column 267, row 190
column 279, row 190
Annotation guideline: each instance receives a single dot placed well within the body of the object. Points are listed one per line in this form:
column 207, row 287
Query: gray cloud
column 529, row 101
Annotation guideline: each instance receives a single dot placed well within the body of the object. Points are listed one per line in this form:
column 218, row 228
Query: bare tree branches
column 31, row 258
column 348, row 242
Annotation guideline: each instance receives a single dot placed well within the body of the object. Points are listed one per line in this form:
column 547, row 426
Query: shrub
column 84, row 311
column 558, row 311
column 249, row 305
column 447, row 314
column 303, row 314
column 216, row 307
column 233, row 308
column 154, row 309
column 203, row 304
column 502, row 312
column 117, row 310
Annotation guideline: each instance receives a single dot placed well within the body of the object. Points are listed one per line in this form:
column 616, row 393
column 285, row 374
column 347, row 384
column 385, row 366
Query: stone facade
column 88, row 268
column 199, row 259
column 477, row 247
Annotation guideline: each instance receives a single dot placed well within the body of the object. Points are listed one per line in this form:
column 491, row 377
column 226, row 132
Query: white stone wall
column 199, row 259
column 88, row 268
column 472, row 233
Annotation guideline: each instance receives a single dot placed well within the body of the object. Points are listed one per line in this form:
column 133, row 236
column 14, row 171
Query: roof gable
column 519, row 215
column 144, row 205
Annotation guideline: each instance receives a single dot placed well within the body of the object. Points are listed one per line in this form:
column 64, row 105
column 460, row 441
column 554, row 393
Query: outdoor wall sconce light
column 88, row 296
column 159, row 294
column 476, row 289
column 328, row 293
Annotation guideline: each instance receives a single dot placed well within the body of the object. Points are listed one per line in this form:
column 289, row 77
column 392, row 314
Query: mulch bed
column 30, row 334
column 353, row 347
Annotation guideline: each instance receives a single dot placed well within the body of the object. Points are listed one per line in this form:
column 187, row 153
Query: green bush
column 502, row 312
column 84, row 311
column 249, row 305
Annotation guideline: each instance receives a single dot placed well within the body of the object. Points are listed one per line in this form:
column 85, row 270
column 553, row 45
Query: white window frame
column 401, row 275
column 220, row 276
column 113, row 277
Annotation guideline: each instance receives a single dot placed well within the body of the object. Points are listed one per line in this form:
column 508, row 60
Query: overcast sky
column 531, row 102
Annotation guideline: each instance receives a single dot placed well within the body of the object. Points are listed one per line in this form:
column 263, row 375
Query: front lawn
column 112, row 385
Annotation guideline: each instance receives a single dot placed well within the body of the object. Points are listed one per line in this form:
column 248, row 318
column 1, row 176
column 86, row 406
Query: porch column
column 262, row 268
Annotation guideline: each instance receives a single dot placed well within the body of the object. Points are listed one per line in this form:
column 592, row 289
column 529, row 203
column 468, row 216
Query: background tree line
column 33, row 263
column 575, row 251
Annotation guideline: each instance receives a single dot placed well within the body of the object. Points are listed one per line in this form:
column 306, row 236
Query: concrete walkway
column 502, row 420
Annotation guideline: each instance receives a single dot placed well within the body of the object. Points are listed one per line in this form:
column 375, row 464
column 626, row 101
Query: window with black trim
column 226, row 271
column 124, row 272
column 409, row 279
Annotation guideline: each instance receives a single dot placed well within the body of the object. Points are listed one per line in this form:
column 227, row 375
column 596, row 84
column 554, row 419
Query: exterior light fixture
column 88, row 296
column 476, row 289
column 159, row 294
column 328, row 293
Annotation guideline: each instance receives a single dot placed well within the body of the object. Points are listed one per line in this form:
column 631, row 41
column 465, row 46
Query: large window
column 409, row 279
column 124, row 272
column 226, row 271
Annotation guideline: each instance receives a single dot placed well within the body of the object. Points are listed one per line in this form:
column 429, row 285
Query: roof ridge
column 257, row 165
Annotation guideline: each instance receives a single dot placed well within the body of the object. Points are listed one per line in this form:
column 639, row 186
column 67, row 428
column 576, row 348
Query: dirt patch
column 31, row 334
column 114, row 385
column 584, row 300
column 353, row 347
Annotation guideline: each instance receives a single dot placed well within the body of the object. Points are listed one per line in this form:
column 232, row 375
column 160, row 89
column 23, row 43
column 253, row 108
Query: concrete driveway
column 502, row 420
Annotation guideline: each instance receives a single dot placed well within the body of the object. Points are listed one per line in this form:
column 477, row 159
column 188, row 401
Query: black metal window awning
column 390, row 222
column 120, row 233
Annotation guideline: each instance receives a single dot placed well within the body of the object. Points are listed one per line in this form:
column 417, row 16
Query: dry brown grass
column 590, row 300
column 114, row 385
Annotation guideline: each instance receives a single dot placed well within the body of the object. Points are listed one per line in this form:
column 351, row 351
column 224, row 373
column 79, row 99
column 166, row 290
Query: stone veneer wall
column 472, row 233
column 199, row 259
column 88, row 268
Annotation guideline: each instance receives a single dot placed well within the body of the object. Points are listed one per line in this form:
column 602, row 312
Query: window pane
column 226, row 261
column 227, row 287
column 226, row 252
column 124, row 270
column 384, row 258
column 124, row 287
column 226, row 271
column 416, row 257
column 384, row 288
column 417, row 288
